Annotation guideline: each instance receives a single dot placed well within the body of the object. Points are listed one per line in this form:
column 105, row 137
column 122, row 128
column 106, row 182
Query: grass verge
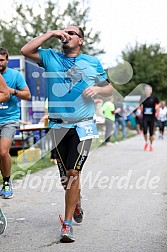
column 39, row 165
column 45, row 162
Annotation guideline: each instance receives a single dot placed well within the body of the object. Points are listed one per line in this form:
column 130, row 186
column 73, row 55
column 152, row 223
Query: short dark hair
column 80, row 30
column 4, row 51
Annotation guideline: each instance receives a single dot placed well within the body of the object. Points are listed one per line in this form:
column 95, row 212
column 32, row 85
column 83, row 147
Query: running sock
column 6, row 179
column 68, row 223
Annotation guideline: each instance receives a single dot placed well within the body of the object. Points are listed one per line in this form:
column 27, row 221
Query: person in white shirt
column 162, row 118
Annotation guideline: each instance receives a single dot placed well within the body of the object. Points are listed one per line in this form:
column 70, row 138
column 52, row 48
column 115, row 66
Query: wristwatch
column 15, row 92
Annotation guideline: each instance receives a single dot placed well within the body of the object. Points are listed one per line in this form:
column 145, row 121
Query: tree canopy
column 149, row 64
column 25, row 24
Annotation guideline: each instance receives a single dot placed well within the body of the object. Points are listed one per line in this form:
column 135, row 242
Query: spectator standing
column 109, row 115
column 119, row 120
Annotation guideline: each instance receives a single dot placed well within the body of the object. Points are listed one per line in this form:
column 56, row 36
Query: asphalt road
column 124, row 192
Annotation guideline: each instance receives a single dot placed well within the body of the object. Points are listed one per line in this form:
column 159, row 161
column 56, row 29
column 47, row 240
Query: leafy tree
column 149, row 63
column 25, row 25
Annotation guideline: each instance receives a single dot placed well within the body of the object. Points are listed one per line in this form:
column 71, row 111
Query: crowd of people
column 148, row 115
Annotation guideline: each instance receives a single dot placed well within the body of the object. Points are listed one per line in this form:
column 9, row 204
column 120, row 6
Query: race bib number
column 87, row 130
column 148, row 111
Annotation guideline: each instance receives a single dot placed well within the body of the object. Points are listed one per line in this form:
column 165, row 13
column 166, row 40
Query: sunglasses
column 72, row 33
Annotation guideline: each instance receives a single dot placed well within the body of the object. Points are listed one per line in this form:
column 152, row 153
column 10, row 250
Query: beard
column 66, row 48
column 2, row 69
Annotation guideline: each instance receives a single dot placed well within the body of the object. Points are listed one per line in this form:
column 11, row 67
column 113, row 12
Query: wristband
column 15, row 92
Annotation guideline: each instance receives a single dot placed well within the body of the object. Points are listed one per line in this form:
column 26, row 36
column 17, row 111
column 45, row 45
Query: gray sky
column 121, row 22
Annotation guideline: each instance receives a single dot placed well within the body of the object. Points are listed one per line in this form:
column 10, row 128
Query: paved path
column 124, row 198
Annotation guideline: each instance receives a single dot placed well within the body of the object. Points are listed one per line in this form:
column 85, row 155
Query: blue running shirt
column 10, row 110
column 67, row 78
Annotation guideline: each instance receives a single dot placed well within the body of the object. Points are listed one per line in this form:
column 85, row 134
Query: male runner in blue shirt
column 9, row 118
column 73, row 80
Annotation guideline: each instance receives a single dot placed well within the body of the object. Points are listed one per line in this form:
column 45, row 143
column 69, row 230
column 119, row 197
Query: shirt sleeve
column 44, row 57
column 101, row 75
column 20, row 82
column 112, row 107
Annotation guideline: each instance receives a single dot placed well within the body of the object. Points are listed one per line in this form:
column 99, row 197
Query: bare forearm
column 4, row 96
column 30, row 50
column 106, row 90
column 22, row 94
column 4, row 92
column 33, row 45
column 94, row 90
